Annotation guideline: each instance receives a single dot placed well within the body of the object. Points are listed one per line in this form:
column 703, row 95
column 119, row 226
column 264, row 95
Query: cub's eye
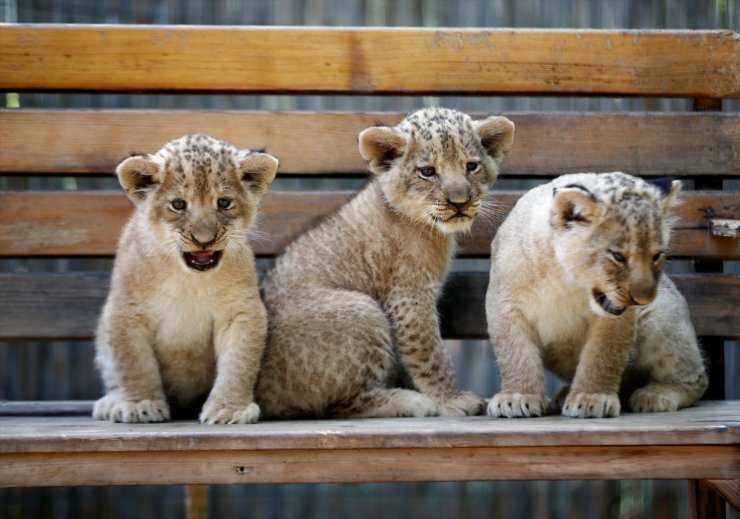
column 472, row 166
column 178, row 204
column 657, row 257
column 224, row 203
column 427, row 171
column 618, row 256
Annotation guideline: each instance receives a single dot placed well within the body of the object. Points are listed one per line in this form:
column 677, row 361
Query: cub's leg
column 668, row 351
column 520, row 363
column 595, row 387
column 330, row 353
column 130, row 371
column 413, row 313
column 381, row 402
column 239, row 338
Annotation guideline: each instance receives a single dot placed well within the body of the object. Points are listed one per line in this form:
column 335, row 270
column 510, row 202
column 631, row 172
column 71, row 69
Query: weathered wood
column 369, row 60
column 704, row 502
column 729, row 489
column 708, row 423
column 724, row 228
column 88, row 223
column 547, row 144
column 66, row 306
column 358, row 465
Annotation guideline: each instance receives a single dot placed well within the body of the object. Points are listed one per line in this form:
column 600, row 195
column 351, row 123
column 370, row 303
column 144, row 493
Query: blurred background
column 54, row 371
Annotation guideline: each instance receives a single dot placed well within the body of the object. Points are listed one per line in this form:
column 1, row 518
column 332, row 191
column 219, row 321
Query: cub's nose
column 203, row 240
column 459, row 198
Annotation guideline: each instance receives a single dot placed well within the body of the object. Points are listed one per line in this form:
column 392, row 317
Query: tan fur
column 171, row 334
column 352, row 303
column 571, row 254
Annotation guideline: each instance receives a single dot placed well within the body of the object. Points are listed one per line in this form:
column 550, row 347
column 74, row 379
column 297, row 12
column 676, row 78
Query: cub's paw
column 116, row 409
column 462, row 404
column 218, row 412
column 414, row 404
column 517, row 405
column 650, row 400
column 591, row 405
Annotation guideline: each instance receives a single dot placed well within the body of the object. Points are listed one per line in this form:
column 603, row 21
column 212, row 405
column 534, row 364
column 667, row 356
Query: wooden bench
column 58, row 444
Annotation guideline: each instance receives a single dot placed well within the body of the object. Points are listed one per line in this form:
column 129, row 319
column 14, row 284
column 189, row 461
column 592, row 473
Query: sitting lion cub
column 353, row 328
column 184, row 317
column 576, row 286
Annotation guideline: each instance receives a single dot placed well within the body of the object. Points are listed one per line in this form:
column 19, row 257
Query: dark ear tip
column 664, row 184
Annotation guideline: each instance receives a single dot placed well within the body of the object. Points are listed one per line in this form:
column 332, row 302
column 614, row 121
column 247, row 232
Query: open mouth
column 202, row 259
column 606, row 304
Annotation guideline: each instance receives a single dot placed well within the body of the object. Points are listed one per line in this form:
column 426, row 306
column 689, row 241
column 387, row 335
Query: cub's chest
column 558, row 311
column 183, row 313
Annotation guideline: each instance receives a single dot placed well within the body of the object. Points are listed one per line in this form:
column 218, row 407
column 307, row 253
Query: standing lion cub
column 352, row 303
column 576, row 287
column 183, row 320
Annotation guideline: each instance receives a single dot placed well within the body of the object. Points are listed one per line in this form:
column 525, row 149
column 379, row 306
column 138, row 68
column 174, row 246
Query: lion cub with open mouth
column 183, row 320
column 576, row 286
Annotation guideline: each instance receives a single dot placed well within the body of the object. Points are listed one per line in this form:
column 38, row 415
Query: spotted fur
column 353, row 328
column 576, row 286
column 183, row 322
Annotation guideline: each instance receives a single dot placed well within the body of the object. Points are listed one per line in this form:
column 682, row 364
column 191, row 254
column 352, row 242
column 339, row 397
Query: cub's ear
column 574, row 204
column 257, row 171
column 138, row 175
column 380, row 146
column 496, row 135
column 669, row 190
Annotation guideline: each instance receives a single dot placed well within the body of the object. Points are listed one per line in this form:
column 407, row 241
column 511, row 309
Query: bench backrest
column 701, row 147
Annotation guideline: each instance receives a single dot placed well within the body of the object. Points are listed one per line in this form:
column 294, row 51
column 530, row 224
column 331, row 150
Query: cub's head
column 437, row 164
column 611, row 234
column 198, row 195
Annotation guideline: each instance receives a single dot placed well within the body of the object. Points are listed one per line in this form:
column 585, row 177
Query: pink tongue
column 202, row 256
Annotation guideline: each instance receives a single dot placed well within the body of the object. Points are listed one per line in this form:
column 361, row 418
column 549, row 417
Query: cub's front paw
column 218, row 412
column 591, row 405
column 116, row 409
column 650, row 400
column 461, row 404
column 516, row 405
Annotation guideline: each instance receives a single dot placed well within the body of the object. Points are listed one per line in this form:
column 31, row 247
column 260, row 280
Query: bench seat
column 37, row 450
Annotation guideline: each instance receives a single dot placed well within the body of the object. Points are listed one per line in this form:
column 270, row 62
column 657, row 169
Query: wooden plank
column 369, row 60
column 709, row 423
column 66, row 306
column 367, row 465
column 87, row 223
column 712, row 301
column 546, row 144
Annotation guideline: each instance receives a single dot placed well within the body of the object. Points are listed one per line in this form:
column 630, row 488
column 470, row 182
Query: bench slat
column 357, row 465
column 708, row 423
column 699, row 442
column 648, row 144
column 712, row 301
column 66, row 306
column 82, row 223
column 369, row 60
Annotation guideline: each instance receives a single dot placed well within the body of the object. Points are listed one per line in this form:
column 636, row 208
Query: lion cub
column 576, row 286
column 353, row 328
column 183, row 319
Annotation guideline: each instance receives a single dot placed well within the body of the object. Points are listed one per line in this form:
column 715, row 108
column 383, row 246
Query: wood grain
column 368, row 465
column 87, row 223
column 369, row 60
column 708, row 423
column 66, row 306
column 546, row 144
